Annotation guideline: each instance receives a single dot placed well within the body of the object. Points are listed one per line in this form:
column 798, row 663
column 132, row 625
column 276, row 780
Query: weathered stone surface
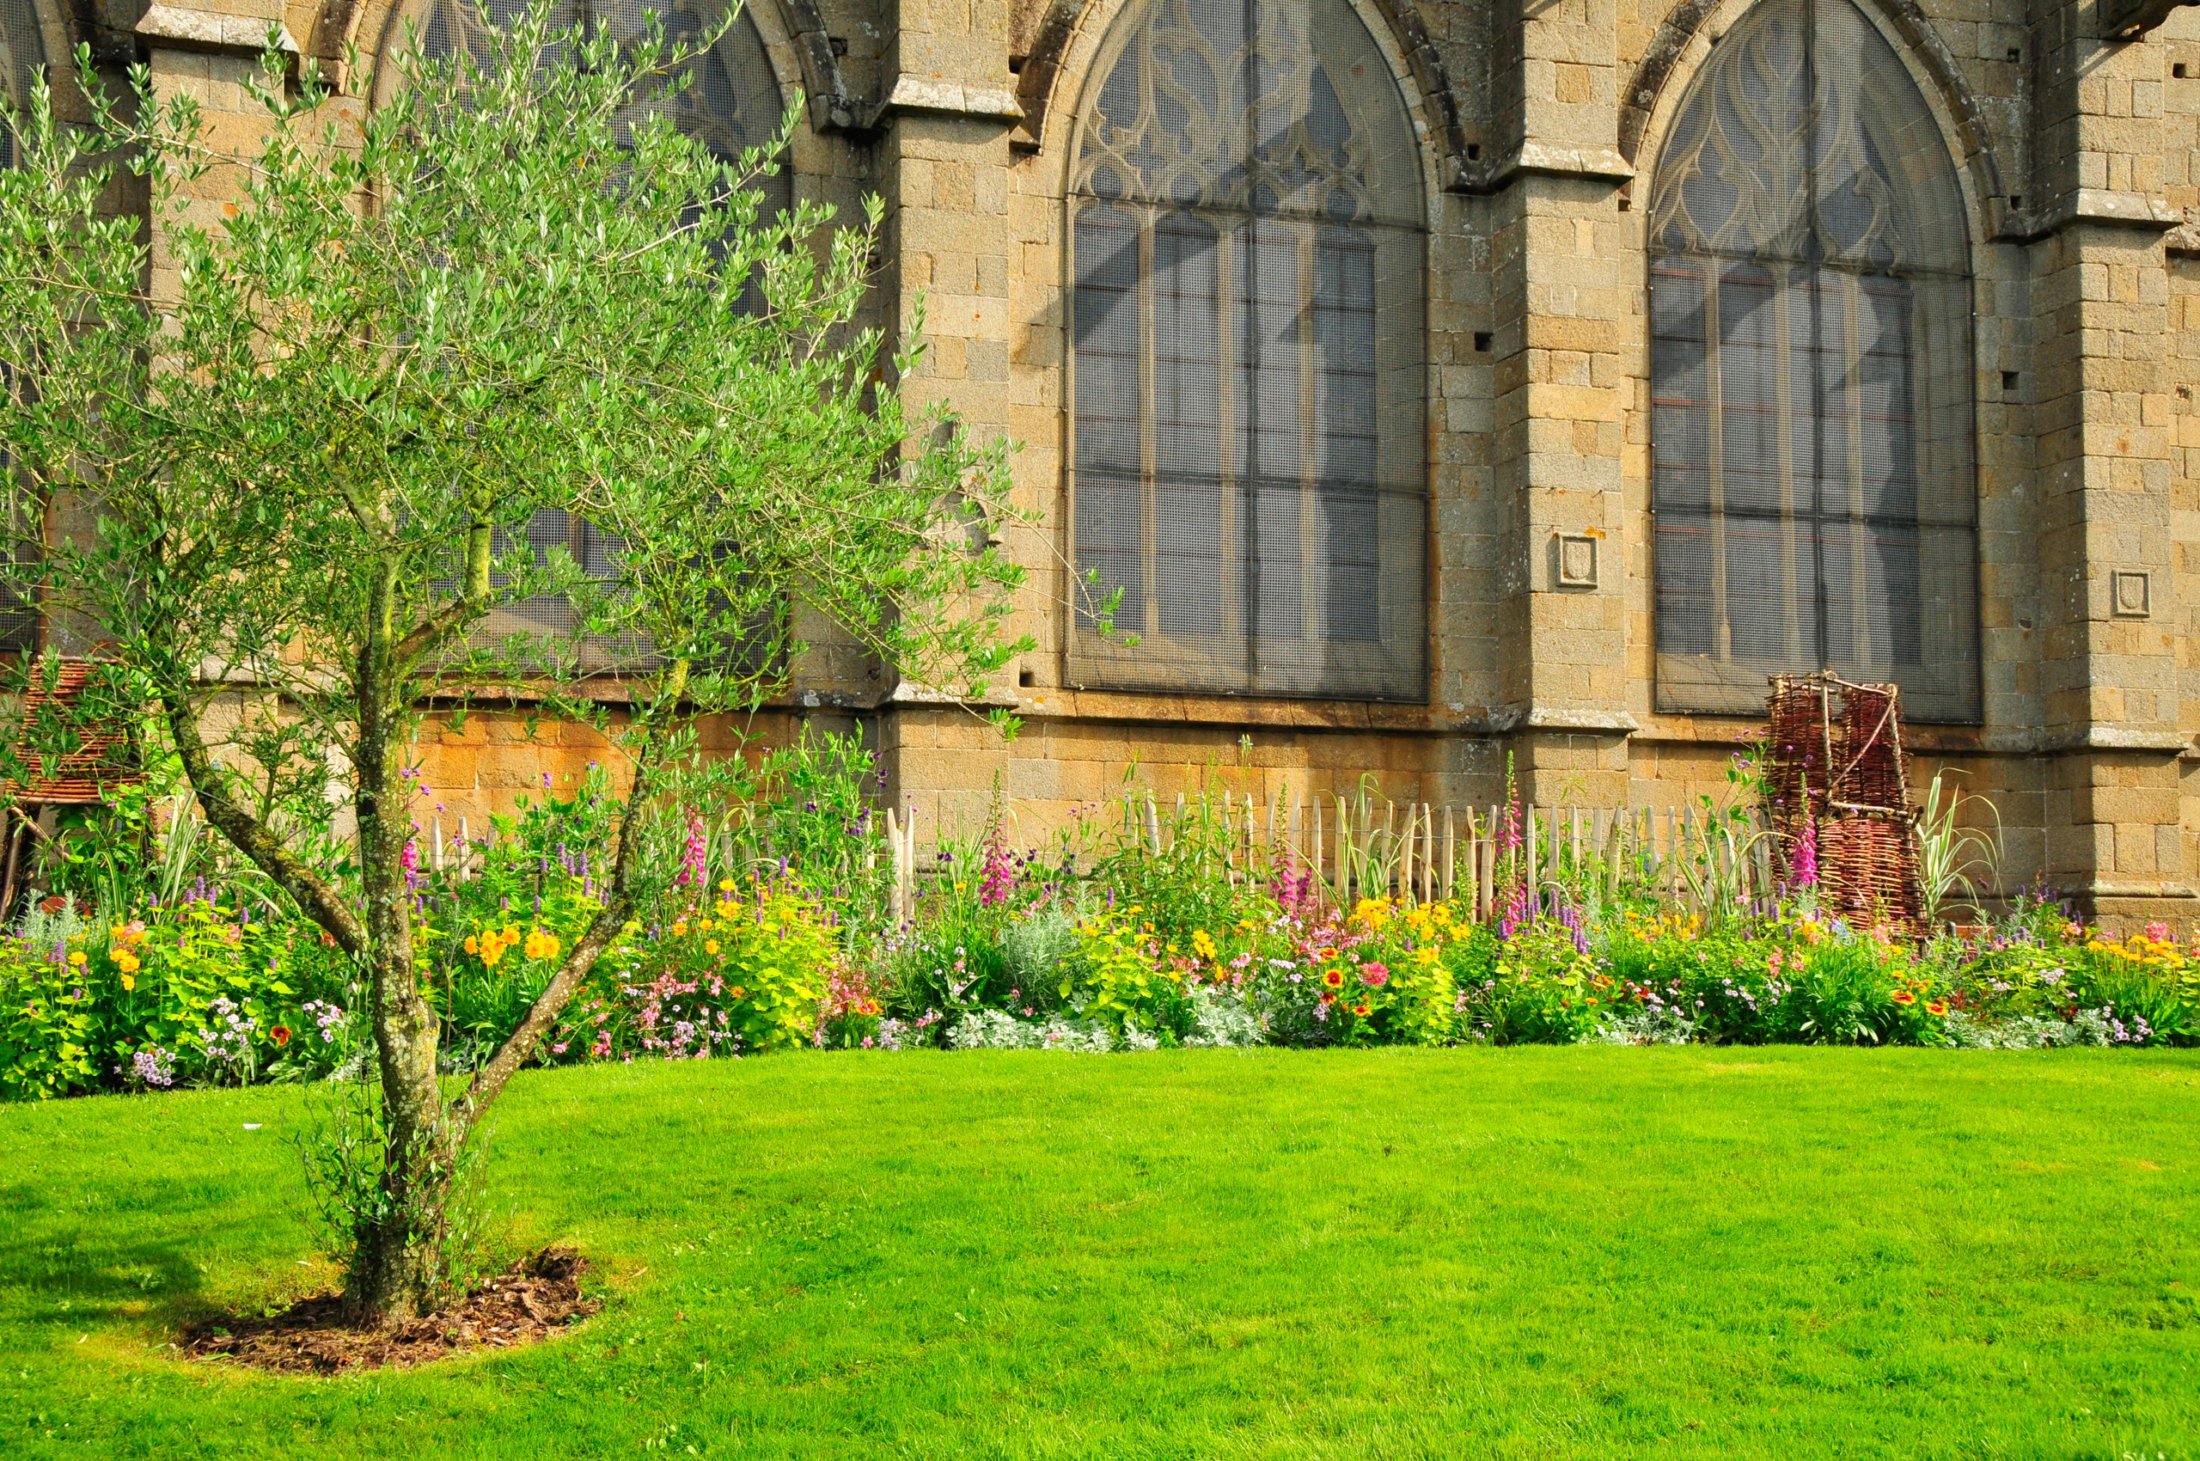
column 1541, row 125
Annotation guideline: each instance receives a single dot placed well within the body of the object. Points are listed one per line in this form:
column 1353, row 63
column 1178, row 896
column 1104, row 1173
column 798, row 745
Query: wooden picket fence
column 1360, row 847
column 1423, row 852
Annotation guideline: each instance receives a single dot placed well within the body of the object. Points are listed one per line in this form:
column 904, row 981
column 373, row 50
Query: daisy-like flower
column 1334, row 978
column 1903, row 996
column 1360, row 1009
column 1936, row 1006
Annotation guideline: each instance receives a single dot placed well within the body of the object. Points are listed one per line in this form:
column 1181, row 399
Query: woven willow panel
column 1815, row 493
column 1247, row 263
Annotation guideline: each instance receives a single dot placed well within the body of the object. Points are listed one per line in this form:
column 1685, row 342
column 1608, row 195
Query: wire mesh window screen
column 1247, row 403
column 22, row 56
column 1811, row 366
column 731, row 103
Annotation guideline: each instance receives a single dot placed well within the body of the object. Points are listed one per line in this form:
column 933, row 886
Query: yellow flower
column 725, row 885
column 129, row 981
column 76, row 957
column 679, row 928
column 710, row 946
column 541, row 945
column 127, row 962
column 473, row 945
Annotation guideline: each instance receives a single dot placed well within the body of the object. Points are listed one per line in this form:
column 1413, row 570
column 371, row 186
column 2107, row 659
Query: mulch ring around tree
column 528, row 1302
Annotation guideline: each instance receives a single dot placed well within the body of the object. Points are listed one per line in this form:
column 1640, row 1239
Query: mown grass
column 1553, row 1252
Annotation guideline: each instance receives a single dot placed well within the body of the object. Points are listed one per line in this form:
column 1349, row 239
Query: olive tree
column 291, row 458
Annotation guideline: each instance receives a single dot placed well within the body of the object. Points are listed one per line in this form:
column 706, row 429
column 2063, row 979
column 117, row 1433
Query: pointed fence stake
column 1451, row 852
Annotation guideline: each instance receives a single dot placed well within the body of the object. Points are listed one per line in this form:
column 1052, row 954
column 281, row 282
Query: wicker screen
column 1811, row 363
column 22, row 57
column 1248, row 409
column 732, row 103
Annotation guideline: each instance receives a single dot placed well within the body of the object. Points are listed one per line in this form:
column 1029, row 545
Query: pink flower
column 692, row 857
column 1374, row 976
column 1803, row 866
column 999, row 883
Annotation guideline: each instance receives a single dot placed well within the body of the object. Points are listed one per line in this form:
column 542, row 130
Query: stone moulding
column 939, row 97
column 176, row 28
column 832, row 106
column 2128, row 20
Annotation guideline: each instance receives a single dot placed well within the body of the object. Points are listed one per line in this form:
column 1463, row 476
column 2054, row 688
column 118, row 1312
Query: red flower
column 280, row 1035
column 1936, row 1007
column 1360, row 1009
column 1903, row 996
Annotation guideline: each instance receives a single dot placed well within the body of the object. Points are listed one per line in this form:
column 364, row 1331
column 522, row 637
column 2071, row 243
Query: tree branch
column 250, row 835
column 543, row 1013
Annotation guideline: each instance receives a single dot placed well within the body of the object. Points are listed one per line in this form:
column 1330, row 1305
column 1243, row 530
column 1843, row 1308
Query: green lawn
column 1542, row 1252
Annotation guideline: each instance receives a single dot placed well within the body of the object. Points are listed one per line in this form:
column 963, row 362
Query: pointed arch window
column 1813, row 483
column 1247, row 404
column 732, row 103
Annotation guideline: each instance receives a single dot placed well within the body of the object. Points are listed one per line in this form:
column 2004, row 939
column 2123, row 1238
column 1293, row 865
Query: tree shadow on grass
column 60, row 1269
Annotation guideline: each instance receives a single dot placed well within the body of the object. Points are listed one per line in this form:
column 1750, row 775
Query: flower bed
column 1092, row 944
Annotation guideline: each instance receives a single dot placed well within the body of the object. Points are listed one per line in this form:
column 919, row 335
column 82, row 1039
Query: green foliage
column 814, row 805
column 744, row 972
column 1543, row 990
column 48, row 1026
column 1955, row 862
column 1120, row 977
column 307, row 464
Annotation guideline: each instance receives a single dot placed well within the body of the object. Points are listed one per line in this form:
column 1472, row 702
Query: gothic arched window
column 1247, row 399
column 732, row 103
column 1810, row 287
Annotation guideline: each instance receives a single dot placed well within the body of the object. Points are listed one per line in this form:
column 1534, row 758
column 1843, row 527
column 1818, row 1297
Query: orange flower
column 1334, row 978
column 1936, row 1007
column 1903, row 996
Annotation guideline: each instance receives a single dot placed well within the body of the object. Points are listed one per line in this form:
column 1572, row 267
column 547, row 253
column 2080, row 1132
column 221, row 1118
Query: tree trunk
column 399, row 1263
